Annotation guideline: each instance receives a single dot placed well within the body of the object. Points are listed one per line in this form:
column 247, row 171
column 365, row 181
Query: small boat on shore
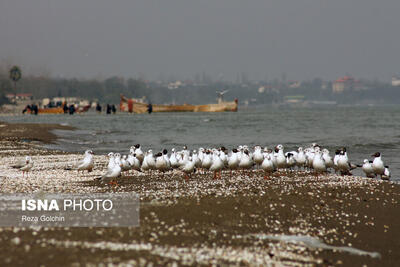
column 134, row 106
column 34, row 109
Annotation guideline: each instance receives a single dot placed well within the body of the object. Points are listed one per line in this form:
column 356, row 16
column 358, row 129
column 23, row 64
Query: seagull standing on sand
column 327, row 158
column 87, row 162
column 318, row 161
column 166, row 158
column 188, row 167
column 336, row 160
column 111, row 174
column 280, row 157
column 386, row 174
column 367, row 169
column 149, row 162
column 133, row 161
column 111, row 161
column 223, row 156
column 343, row 163
column 217, row 164
column 300, row 158
column 24, row 165
column 207, row 160
column 139, row 153
column 245, row 161
column 125, row 163
column 233, row 160
column 161, row 163
column 173, row 159
column 258, row 156
column 268, row 166
column 378, row 165
column 290, row 160
column 196, row 159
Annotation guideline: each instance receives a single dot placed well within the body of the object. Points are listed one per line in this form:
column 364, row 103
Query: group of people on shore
column 109, row 108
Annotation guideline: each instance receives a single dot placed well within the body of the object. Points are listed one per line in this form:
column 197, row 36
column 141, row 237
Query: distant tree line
column 109, row 90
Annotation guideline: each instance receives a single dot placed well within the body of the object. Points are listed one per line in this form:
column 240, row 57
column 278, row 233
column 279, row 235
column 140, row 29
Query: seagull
column 139, row 153
column 207, row 160
column 258, row 156
column 217, row 164
column 367, row 169
column 196, row 159
column 111, row 161
column 188, row 167
column 343, row 163
column 336, row 160
column 185, row 151
column 327, row 158
column 150, row 160
column 223, row 155
column 378, row 165
column 267, row 165
column 309, row 151
column 290, row 160
column 386, row 174
column 245, row 162
column 221, row 93
column 280, row 157
column 300, row 158
column 111, row 174
column 125, row 163
column 133, row 161
column 319, row 165
column 233, row 160
column 161, row 164
column 87, row 162
column 173, row 159
column 24, row 165
column 166, row 158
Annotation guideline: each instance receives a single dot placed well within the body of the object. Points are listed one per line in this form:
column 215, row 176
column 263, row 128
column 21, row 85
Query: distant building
column 14, row 98
column 342, row 84
column 175, row 85
column 261, row 89
column 294, row 84
column 395, row 81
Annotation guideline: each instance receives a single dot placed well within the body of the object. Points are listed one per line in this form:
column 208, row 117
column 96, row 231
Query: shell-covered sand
column 291, row 219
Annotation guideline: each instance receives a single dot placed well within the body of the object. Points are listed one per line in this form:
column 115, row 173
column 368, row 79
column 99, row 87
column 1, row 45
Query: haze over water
column 363, row 130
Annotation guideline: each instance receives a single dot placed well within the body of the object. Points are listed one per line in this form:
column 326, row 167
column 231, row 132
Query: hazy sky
column 303, row 38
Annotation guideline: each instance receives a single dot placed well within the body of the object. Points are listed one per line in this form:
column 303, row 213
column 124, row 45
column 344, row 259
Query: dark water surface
column 363, row 130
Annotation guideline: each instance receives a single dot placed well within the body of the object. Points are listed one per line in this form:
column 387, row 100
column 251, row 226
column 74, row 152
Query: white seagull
column 378, row 165
column 24, row 165
column 367, row 169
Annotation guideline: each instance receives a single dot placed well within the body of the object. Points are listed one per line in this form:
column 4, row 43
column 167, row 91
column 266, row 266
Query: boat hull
column 132, row 106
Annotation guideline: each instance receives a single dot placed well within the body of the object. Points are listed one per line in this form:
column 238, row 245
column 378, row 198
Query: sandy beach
column 241, row 219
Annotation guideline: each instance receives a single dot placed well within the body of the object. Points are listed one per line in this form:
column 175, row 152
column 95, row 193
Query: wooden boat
column 54, row 110
column 134, row 106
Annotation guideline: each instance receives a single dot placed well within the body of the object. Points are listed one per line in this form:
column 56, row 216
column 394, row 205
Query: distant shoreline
column 41, row 132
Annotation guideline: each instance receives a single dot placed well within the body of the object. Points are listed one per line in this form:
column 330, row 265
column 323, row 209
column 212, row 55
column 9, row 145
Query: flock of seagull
column 314, row 159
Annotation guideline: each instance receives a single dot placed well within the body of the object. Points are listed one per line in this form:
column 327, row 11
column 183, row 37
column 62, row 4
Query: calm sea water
column 363, row 130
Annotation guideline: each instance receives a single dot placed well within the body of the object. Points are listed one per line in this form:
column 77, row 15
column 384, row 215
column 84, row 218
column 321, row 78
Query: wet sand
column 202, row 221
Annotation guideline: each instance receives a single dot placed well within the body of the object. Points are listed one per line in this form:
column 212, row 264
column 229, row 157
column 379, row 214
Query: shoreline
column 204, row 221
column 30, row 131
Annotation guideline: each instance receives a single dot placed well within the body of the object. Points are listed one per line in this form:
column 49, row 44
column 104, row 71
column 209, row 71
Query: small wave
column 391, row 145
column 316, row 243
